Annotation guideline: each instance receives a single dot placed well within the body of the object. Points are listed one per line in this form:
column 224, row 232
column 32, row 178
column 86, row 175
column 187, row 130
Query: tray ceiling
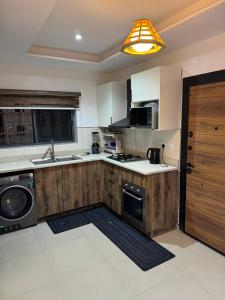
column 47, row 32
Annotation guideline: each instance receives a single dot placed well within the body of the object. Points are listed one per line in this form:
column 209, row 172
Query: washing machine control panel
column 5, row 229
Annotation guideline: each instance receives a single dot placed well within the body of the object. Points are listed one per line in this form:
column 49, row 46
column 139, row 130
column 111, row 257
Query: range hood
column 125, row 123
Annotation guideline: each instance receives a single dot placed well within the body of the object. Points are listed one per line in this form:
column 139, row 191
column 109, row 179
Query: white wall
column 88, row 104
column 12, row 77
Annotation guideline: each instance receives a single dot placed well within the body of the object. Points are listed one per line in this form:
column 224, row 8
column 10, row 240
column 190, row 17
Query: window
column 54, row 125
column 27, row 127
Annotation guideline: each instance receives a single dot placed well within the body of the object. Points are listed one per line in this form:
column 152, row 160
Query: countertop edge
column 12, row 166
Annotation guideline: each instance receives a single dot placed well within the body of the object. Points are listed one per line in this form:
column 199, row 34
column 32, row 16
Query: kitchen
column 64, row 265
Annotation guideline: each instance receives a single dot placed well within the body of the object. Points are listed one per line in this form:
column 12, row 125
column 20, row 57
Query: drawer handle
column 133, row 196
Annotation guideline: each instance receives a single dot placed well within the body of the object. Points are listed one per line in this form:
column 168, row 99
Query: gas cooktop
column 124, row 158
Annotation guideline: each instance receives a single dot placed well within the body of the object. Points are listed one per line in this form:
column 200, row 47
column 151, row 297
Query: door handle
column 190, row 165
column 133, row 196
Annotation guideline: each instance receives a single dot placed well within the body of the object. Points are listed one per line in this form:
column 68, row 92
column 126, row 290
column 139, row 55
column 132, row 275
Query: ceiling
column 42, row 31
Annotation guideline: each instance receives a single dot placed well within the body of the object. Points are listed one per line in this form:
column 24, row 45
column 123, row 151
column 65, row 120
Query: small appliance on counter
column 124, row 158
column 112, row 142
column 95, row 147
column 153, row 155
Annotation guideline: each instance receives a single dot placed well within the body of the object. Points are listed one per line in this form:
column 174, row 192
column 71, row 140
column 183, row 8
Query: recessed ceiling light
column 78, row 36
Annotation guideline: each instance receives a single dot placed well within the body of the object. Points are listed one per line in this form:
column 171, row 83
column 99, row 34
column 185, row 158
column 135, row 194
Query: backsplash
column 137, row 141
column 82, row 144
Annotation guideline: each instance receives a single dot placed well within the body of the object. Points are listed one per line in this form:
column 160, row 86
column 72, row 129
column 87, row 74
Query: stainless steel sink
column 67, row 158
column 43, row 161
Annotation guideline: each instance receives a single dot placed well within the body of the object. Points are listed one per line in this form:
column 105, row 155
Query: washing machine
column 17, row 202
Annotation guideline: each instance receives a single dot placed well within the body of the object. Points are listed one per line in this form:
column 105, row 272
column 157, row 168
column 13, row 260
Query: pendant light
column 143, row 38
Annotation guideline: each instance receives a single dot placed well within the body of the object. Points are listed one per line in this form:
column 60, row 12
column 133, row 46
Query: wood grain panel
column 48, row 187
column 12, row 98
column 212, row 128
column 93, row 183
column 73, row 185
column 116, row 189
column 205, row 230
column 205, row 204
column 164, row 202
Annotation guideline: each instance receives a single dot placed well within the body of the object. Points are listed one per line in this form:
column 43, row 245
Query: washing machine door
column 15, row 202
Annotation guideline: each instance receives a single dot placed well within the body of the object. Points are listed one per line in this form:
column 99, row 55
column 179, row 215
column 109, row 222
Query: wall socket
column 171, row 146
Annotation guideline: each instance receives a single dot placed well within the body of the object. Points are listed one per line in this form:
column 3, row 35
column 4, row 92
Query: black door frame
column 207, row 78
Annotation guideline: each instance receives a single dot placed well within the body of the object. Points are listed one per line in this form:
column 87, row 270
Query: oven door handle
column 133, row 196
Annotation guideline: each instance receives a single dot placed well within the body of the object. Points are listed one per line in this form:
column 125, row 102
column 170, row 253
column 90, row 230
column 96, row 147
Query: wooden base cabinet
column 161, row 196
column 112, row 176
column 92, row 184
column 73, row 182
column 48, row 187
column 63, row 188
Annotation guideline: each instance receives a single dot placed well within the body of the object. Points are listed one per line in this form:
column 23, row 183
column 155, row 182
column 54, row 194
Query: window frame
column 73, row 123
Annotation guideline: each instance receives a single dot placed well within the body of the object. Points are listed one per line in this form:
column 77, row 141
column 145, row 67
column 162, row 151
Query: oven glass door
column 133, row 205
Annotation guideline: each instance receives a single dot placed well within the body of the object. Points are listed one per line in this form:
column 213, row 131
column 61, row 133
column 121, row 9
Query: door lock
column 189, row 170
column 190, row 134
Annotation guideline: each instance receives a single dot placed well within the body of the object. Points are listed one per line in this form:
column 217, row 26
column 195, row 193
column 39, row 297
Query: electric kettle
column 153, row 155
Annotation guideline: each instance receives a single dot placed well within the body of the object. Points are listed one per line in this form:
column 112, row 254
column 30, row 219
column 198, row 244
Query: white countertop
column 142, row 167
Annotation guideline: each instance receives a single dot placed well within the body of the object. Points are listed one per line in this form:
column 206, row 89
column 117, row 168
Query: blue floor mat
column 143, row 251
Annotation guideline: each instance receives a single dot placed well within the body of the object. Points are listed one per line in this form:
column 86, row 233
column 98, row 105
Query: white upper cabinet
column 162, row 84
column 146, row 85
column 112, row 101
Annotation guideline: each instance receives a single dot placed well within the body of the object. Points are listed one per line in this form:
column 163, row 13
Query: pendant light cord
column 142, row 8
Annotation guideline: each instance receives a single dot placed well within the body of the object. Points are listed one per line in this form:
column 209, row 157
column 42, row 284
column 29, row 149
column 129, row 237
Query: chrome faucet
column 50, row 150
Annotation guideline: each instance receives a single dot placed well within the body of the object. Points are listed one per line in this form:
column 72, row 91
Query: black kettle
column 153, row 155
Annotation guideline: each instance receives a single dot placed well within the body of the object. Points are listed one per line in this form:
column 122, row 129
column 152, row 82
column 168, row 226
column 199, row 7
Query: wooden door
column 48, row 188
column 73, row 185
column 205, row 181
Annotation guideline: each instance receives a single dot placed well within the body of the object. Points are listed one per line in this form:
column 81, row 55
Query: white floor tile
column 133, row 279
column 19, row 244
column 44, row 292
column 48, row 239
column 83, row 264
column 210, row 274
column 74, row 256
column 18, row 276
column 101, row 242
column 175, row 288
column 187, row 250
column 92, row 282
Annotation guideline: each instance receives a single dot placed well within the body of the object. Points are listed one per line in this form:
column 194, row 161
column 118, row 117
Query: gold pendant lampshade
column 143, row 39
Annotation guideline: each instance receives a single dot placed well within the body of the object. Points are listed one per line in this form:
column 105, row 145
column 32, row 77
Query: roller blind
column 11, row 98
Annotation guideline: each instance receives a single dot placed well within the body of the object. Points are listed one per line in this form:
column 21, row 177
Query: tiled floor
column 82, row 264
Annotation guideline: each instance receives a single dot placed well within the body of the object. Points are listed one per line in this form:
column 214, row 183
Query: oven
column 133, row 205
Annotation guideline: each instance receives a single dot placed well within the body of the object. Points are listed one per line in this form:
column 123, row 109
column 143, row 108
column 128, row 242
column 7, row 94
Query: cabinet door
column 119, row 100
column 93, row 182
column 107, row 184
column 48, row 187
column 146, row 85
column 73, row 182
column 104, row 97
column 116, row 202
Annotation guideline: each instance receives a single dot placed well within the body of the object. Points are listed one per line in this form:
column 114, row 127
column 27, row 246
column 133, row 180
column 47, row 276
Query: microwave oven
column 144, row 116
